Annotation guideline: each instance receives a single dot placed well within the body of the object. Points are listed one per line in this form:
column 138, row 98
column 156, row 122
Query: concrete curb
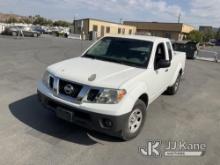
column 207, row 59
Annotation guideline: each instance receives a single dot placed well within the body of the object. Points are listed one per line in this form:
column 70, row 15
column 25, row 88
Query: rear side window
column 169, row 48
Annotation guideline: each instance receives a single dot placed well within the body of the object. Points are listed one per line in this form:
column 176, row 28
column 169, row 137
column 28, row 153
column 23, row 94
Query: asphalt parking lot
column 29, row 134
column 210, row 53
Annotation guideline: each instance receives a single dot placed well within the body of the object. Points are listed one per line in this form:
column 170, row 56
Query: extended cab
column 109, row 87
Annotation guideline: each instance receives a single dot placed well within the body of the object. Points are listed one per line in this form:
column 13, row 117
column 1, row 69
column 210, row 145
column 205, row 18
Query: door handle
column 166, row 70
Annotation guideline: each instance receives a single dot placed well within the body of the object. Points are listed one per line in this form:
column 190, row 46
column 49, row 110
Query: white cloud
column 127, row 8
column 205, row 8
column 162, row 7
column 193, row 12
column 204, row 12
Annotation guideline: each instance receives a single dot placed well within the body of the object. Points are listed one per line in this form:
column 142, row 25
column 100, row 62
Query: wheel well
column 144, row 98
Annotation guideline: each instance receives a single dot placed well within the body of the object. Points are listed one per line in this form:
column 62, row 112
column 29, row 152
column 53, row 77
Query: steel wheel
column 135, row 120
column 14, row 34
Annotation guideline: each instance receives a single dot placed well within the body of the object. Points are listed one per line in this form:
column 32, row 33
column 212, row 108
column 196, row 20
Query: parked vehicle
column 110, row 86
column 189, row 47
column 20, row 30
column 210, row 44
column 29, row 32
column 39, row 29
column 60, row 33
column 217, row 43
column 12, row 30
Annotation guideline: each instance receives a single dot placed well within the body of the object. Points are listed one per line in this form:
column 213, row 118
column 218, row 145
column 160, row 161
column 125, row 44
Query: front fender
column 133, row 95
column 139, row 90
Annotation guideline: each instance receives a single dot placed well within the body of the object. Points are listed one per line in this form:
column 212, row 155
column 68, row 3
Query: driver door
column 160, row 76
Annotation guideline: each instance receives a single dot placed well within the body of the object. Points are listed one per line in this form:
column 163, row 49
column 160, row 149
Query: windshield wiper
column 100, row 58
column 111, row 60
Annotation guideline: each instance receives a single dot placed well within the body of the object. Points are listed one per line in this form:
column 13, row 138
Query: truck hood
column 108, row 74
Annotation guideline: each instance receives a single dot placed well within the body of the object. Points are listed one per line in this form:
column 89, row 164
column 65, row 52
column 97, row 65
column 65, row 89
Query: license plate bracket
column 64, row 114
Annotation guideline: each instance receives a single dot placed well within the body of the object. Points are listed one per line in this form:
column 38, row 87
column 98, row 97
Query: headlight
column 48, row 80
column 45, row 78
column 107, row 96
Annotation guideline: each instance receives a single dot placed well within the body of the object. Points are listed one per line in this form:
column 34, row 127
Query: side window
column 160, row 54
column 108, row 29
column 119, row 30
column 95, row 28
column 169, row 48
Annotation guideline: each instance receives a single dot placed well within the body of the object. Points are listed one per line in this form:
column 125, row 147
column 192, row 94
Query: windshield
column 121, row 50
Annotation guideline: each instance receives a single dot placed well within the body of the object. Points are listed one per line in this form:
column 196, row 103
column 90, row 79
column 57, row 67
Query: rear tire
column 135, row 121
column 35, row 35
column 173, row 89
column 14, row 34
column 195, row 54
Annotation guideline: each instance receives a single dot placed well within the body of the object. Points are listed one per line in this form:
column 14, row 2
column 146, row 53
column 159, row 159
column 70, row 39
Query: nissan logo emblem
column 92, row 77
column 69, row 89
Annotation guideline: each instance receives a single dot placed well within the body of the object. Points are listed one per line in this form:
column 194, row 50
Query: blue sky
column 195, row 12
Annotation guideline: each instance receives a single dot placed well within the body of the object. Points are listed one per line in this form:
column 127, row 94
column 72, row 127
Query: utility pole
column 74, row 24
column 120, row 20
column 179, row 17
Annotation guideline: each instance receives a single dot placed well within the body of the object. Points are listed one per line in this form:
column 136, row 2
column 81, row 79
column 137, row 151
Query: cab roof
column 141, row 37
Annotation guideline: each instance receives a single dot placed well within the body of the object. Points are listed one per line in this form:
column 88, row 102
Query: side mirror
column 163, row 64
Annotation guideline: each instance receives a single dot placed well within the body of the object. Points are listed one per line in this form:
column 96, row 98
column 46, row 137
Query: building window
column 130, row 31
column 108, row 29
column 95, row 28
column 167, row 35
column 123, row 31
column 119, row 30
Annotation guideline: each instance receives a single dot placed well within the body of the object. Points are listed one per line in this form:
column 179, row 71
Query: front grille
column 72, row 92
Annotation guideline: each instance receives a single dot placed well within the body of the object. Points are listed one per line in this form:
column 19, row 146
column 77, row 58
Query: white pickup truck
column 109, row 87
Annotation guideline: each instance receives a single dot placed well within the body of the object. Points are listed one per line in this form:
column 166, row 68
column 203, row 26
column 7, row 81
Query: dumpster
column 189, row 47
column 92, row 35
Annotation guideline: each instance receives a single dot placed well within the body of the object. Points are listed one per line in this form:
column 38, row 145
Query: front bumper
column 103, row 123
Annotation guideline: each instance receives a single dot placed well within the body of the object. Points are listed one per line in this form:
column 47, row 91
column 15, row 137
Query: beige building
column 101, row 28
column 175, row 31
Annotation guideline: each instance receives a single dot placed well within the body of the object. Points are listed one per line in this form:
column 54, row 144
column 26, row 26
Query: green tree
column 26, row 20
column 12, row 20
column 195, row 36
column 207, row 35
column 49, row 22
column 38, row 20
column 217, row 36
column 61, row 23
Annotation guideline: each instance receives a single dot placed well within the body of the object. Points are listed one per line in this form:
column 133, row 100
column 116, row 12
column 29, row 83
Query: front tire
column 135, row 121
column 195, row 54
column 14, row 34
column 35, row 35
